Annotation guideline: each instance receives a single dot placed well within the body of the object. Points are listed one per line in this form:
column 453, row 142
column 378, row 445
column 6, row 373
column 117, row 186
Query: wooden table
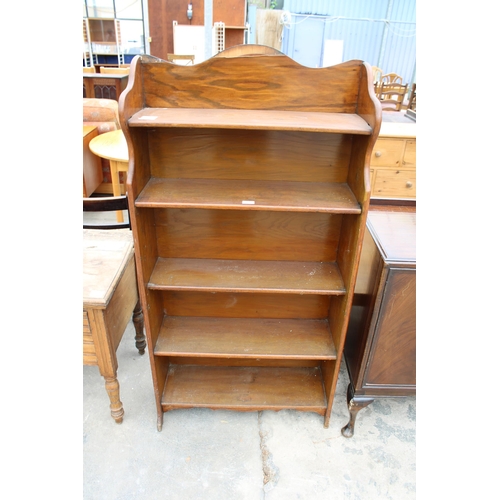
column 110, row 299
column 380, row 349
column 92, row 168
column 113, row 146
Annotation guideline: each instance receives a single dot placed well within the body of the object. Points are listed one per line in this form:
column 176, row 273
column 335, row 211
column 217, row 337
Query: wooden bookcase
column 249, row 189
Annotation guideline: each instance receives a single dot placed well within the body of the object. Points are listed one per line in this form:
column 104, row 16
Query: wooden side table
column 110, row 298
column 113, row 146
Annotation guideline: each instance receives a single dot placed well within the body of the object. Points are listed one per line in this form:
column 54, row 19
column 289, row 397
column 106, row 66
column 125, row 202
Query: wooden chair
column 377, row 79
column 412, row 100
column 106, row 204
column 115, row 71
column 391, row 78
column 377, row 74
column 110, row 294
column 89, row 70
column 103, row 113
column 392, row 95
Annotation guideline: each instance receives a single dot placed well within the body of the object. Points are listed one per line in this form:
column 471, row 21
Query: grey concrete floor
column 225, row 455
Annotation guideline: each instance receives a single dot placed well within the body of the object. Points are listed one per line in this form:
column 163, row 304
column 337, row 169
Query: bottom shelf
column 244, row 388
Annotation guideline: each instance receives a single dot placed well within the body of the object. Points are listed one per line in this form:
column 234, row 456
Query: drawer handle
column 378, row 154
column 409, row 184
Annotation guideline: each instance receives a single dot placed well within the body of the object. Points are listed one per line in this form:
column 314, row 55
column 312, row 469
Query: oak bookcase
column 249, row 189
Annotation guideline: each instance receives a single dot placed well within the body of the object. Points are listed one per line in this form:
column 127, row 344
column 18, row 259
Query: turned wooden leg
column 113, row 389
column 354, row 404
column 138, row 319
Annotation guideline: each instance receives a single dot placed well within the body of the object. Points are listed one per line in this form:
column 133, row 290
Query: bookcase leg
column 326, row 423
column 113, row 390
column 354, row 404
column 138, row 319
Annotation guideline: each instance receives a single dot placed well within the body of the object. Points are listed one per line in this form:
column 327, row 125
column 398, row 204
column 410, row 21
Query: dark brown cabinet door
column 393, row 350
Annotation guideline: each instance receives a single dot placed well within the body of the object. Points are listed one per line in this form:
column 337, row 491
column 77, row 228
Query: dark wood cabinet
column 103, row 86
column 380, row 349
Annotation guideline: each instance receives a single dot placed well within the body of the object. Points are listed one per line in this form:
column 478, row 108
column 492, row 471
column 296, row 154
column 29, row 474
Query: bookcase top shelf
column 251, row 120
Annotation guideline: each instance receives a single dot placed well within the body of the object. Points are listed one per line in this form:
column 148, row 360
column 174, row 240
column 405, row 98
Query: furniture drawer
column 89, row 354
column 395, row 184
column 410, row 155
column 388, row 152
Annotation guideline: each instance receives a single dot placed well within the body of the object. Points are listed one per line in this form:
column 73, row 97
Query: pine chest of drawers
column 393, row 162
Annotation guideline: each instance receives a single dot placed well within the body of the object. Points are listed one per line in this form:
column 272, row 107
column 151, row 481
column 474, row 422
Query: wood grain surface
column 245, row 338
column 247, row 275
column 244, row 388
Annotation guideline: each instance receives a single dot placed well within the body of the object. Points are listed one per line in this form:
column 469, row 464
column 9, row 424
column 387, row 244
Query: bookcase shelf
column 338, row 123
column 245, row 338
column 258, row 276
column 249, row 190
column 247, row 194
column 244, row 388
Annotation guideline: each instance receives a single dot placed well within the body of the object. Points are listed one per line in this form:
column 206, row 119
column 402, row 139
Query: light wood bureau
column 393, row 162
column 110, row 298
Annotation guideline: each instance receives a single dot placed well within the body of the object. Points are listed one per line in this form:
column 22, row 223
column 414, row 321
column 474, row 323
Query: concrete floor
column 224, row 455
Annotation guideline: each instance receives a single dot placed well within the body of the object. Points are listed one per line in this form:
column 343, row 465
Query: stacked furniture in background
column 103, row 114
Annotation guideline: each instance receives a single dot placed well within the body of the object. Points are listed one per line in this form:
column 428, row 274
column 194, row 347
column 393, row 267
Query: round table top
column 110, row 145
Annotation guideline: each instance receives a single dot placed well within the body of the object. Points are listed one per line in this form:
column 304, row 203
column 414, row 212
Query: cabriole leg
column 354, row 404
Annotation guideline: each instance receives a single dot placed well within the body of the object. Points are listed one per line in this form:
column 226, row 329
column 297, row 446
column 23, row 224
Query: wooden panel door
column 394, row 346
